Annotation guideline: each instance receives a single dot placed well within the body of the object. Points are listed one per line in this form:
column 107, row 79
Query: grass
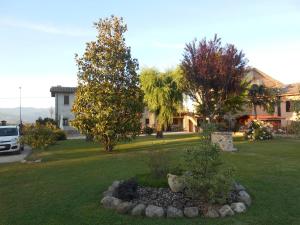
column 66, row 187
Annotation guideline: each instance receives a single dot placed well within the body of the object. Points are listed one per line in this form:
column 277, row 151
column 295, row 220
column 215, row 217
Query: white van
column 9, row 139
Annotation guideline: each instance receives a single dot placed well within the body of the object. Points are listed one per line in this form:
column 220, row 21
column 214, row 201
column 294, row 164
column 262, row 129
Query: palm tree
column 260, row 95
column 162, row 94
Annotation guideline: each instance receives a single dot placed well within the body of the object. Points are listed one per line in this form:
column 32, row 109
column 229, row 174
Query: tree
column 108, row 103
column 51, row 111
column 163, row 94
column 260, row 95
column 214, row 77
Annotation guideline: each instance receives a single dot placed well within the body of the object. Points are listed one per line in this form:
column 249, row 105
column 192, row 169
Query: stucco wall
column 289, row 116
column 64, row 111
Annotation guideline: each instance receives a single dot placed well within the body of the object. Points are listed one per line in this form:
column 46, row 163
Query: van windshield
column 8, row 132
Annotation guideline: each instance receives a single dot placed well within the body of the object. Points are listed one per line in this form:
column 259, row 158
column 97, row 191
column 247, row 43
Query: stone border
column 241, row 199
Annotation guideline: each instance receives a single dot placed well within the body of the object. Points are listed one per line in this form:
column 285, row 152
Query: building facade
column 64, row 98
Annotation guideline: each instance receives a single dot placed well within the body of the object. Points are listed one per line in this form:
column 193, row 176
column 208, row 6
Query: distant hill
column 29, row 115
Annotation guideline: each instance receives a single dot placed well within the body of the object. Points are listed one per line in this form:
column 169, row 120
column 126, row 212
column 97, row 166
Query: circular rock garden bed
column 126, row 197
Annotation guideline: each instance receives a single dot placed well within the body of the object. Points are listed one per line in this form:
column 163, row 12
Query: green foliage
column 158, row 164
column 293, row 128
column 148, row 180
column 38, row 136
column 296, row 108
column 46, row 121
column 259, row 130
column 163, row 93
column 148, row 130
column 108, row 103
column 260, row 95
column 60, row 135
column 208, row 178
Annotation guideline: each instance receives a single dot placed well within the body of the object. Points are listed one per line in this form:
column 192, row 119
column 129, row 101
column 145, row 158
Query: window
column 287, row 106
column 147, row 121
column 66, row 100
column 65, row 122
column 175, row 121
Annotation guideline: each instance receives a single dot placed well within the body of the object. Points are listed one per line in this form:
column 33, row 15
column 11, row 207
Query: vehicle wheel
column 19, row 151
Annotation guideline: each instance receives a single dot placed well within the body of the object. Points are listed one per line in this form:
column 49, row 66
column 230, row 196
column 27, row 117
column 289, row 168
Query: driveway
column 13, row 157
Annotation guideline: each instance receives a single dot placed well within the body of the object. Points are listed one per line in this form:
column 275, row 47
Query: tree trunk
column 255, row 112
column 108, row 144
column 159, row 134
column 159, row 131
column 108, row 148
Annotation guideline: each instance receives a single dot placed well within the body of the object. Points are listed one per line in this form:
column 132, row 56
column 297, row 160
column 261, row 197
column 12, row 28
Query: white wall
column 64, row 111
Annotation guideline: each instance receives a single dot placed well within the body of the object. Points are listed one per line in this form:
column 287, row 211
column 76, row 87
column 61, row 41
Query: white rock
column 225, row 210
column 176, row 183
column 124, row 207
column 110, row 202
column 173, row 212
column 112, row 188
column 154, row 211
column 238, row 187
column 138, row 210
column 191, row 212
column 238, row 207
column 244, row 197
column 211, row 213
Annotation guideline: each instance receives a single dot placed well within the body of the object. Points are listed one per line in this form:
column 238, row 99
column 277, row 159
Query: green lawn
column 66, row 187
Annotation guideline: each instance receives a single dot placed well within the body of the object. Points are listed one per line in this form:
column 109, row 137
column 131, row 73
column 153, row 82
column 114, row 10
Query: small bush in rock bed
column 259, row 130
column 158, row 164
column 148, row 130
column 127, row 190
column 209, row 179
column 149, row 181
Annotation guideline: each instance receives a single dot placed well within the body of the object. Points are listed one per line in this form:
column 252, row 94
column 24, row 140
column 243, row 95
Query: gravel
column 164, row 197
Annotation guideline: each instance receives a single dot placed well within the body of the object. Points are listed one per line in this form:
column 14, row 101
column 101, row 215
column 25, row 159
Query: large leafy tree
column 261, row 96
column 109, row 102
column 162, row 94
column 214, row 77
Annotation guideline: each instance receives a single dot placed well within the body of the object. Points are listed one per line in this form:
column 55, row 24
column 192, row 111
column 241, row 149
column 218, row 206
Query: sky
column 39, row 39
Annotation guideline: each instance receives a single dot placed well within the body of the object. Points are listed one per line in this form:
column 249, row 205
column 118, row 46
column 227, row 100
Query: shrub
column 60, row 135
column 259, row 130
column 148, row 180
column 293, row 128
column 158, row 164
column 46, row 121
column 208, row 178
column 127, row 190
column 148, row 130
column 38, row 136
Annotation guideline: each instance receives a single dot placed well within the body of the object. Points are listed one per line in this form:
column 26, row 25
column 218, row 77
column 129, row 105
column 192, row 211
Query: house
column 187, row 119
column 64, row 98
column 283, row 113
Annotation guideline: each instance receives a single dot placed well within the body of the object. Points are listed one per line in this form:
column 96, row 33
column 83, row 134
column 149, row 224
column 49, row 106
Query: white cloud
column 45, row 28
